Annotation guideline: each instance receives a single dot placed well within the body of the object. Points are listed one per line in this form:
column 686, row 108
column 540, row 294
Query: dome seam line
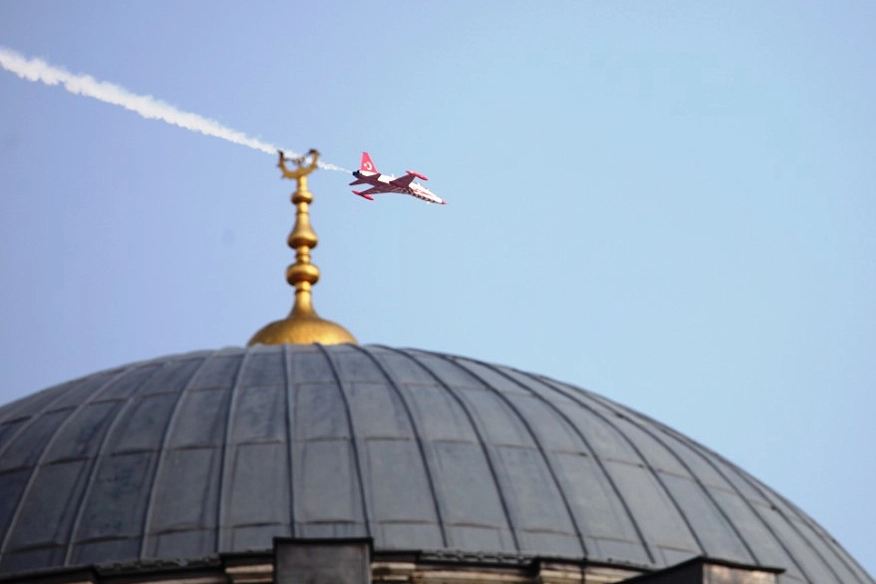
column 221, row 529
column 599, row 462
column 754, row 484
column 697, row 448
column 354, row 438
column 38, row 463
column 691, row 473
column 485, row 450
column 98, row 458
column 540, row 447
column 290, row 395
column 162, row 452
column 642, row 458
column 418, row 438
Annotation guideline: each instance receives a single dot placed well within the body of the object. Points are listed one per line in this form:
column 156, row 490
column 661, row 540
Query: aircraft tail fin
column 367, row 165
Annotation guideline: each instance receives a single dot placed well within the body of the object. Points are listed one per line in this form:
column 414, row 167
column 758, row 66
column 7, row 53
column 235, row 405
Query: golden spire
column 303, row 326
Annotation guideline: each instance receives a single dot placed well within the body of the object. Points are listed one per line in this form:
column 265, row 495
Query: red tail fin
column 366, row 165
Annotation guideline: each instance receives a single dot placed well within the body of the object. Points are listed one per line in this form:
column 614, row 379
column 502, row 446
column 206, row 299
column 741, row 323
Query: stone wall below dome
column 354, row 561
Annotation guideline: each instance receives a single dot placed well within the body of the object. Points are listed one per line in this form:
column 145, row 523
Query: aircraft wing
column 403, row 181
column 371, row 191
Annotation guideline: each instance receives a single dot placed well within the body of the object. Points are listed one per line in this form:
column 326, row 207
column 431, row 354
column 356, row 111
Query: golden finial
column 303, row 326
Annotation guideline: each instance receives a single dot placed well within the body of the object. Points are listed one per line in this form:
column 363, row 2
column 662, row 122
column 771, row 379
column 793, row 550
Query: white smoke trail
column 145, row 105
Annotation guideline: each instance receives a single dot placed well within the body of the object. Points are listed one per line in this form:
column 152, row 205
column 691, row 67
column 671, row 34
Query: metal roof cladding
column 217, row 451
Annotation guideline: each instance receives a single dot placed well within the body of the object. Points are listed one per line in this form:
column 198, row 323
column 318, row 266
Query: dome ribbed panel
column 221, row 451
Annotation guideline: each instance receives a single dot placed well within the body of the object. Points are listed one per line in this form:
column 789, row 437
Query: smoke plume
column 145, row 105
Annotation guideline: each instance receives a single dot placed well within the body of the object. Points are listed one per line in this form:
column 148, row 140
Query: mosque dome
column 221, row 451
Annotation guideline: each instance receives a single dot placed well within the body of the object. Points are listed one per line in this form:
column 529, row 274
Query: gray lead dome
column 220, row 451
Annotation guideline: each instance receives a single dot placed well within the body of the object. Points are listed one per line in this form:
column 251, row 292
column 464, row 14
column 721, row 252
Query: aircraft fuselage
column 385, row 184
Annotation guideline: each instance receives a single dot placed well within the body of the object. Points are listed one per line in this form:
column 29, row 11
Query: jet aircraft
column 381, row 183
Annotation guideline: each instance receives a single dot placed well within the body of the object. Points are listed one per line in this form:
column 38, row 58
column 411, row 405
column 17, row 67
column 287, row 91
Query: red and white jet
column 381, row 183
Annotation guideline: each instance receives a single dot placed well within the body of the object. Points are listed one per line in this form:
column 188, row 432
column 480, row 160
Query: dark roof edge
column 702, row 560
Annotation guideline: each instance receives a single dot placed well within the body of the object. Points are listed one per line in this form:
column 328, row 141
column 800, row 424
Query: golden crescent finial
column 302, row 326
column 302, row 170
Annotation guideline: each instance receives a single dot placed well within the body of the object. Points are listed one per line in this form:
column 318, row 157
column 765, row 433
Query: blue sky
column 670, row 203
